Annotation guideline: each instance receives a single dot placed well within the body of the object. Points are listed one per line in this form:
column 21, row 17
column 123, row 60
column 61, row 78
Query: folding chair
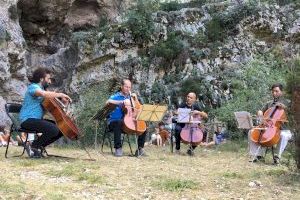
column 107, row 135
column 13, row 110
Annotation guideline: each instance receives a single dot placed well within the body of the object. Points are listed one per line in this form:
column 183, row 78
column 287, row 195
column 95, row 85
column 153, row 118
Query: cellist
column 285, row 134
column 189, row 103
column 31, row 114
column 115, row 118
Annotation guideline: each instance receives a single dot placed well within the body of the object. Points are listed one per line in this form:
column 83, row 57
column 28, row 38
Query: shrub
column 293, row 88
column 140, row 22
column 169, row 49
column 92, row 100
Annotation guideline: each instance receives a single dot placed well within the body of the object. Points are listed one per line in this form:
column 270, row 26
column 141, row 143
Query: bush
column 224, row 24
column 140, row 22
column 293, row 88
column 169, row 49
column 92, row 100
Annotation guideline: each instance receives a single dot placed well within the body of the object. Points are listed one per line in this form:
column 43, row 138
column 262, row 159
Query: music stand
column 244, row 120
column 151, row 113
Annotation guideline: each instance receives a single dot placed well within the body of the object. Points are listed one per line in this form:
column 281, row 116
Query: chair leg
column 6, row 151
column 24, row 143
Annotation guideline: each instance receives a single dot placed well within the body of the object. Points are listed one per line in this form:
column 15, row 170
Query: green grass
column 175, row 185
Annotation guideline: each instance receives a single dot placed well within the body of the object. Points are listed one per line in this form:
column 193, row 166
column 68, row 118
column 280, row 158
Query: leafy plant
column 92, row 100
column 140, row 22
column 169, row 49
column 293, row 88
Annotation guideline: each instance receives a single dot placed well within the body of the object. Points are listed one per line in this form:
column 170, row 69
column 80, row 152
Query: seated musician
column 190, row 103
column 115, row 119
column 31, row 114
column 285, row 134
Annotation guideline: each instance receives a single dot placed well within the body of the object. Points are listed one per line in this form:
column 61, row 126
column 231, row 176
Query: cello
column 268, row 134
column 191, row 132
column 131, row 125
column 65, row 124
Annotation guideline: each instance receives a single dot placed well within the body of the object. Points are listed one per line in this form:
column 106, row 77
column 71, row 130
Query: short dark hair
column 279, row 85
column 123, row 81
column 38, row 74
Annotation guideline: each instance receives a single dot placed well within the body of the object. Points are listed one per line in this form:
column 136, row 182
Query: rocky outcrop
column 84, row 42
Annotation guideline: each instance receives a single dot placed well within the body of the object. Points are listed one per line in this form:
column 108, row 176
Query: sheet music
column 183, row 115
column 244, row 119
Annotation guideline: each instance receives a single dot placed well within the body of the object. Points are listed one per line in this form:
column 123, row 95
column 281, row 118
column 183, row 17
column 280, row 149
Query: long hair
column 38, row 74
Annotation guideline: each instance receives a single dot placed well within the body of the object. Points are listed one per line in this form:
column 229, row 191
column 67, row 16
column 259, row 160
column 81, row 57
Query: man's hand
column 281, row 105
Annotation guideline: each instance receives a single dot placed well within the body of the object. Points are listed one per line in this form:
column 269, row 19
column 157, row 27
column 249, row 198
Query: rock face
column 83, row 43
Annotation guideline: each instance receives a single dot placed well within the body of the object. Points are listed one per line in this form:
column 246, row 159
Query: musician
column 189, row 103
column 285, row 134
column 31, row 114
column 115, row 118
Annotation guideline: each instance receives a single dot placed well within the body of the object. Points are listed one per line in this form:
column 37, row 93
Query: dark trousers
column 49, row 130
column 178, row 129
column 116, row 127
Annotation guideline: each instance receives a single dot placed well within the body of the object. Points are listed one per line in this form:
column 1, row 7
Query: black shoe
column 43, row 152
column 37, row 153
column 190, row 152
column 258, row 158
column 140, row 152
column 276, row 160
column 32, row 152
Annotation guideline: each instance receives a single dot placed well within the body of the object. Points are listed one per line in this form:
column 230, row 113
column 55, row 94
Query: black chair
column 108, row 135
column 13, row 110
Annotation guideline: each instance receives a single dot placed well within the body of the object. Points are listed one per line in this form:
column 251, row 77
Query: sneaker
column 28, row 149
column 140, row 152
column 43, row 152
column 118, row 152
column 190, row 152
column 32, row 152
column 276, row 160
column 37, row 153
column 258, row 158
column 177, row 151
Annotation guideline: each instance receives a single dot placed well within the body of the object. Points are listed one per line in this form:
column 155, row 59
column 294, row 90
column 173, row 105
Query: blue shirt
column 220, row 137
column 117, row 114
column 32, row 107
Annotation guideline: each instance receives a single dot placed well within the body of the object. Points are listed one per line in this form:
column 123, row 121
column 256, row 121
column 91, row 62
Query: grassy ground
column 218, row 173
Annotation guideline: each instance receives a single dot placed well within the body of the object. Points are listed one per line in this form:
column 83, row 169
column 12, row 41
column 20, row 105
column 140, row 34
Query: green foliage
column 169, row 49
column 282, row 2
column 194, row 84
column 175, row 185
column 251, row 90
column 293, row 88
column 223, row 24
column 170, row 6
column 293, row 79
column 158, row 92
column 173, row 5
column 139, row 20
column 92, row 100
